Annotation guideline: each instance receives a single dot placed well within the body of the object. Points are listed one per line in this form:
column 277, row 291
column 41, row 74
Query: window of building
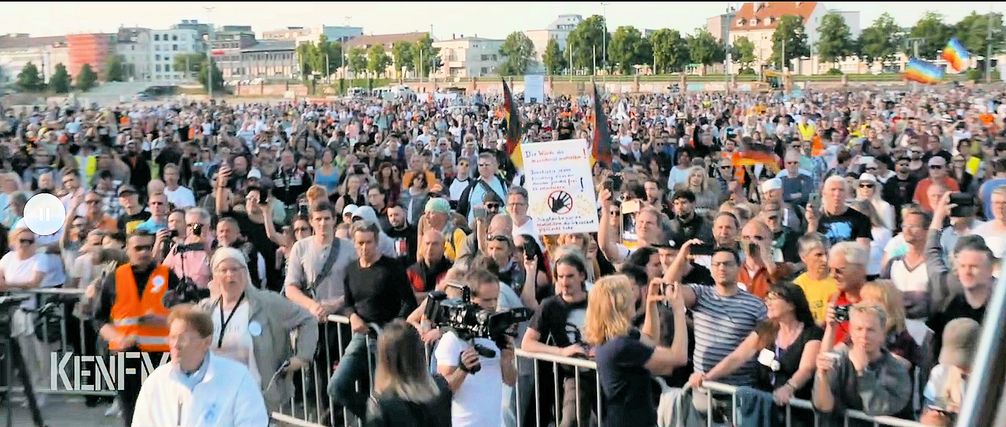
column 167, row 67
column 157, row 68
column 174, row 47
column 157, row 57
column 494, row 57
column 174, row 38
column 157, row 37
column 485, row 70
column 485, row 57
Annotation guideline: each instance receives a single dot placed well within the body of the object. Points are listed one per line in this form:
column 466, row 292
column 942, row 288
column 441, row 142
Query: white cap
column 772, row 184
column 868, row 177
column 349, row 209
column 255, row 173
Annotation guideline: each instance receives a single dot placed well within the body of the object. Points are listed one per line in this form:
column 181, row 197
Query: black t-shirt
column 379, row 293
column 388, row 410
column 255, row 234
column 789, row 363
column 626, row 383
column 405, row 243
column 846, row 227
column 136, row 219
column 958, row 307
column 559, row 322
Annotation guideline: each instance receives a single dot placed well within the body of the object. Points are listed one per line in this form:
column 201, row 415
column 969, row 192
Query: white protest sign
column 560, row 187
column 534, row 88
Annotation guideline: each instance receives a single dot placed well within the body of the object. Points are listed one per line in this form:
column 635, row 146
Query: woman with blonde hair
column 405, row 394
column 626, row 357
column 707, row 191
column 869, row 189
column 899, row 340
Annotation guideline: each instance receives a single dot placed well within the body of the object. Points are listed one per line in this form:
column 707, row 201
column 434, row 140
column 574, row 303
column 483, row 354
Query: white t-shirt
column 909, row 280
column 237, row 342
column 477, row 402
column 181, row 197
column 995, row 239
column 16, row 270
column 881, row 236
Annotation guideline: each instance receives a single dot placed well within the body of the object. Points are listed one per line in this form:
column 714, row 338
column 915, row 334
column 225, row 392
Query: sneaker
column 113, row 411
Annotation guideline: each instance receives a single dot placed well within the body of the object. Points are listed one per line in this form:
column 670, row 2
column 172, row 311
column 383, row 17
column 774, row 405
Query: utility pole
column 327, row 75
column 593, row 55
column 421, row 65
column 783, row 66
column 209, row 52
column 569, row 47
column 604, row 36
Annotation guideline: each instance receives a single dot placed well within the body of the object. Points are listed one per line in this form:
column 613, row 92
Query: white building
column 558, row 30
column 166, row 44
column 17, row 50
column 312, row 34
column 469, row 56
column 134, row 45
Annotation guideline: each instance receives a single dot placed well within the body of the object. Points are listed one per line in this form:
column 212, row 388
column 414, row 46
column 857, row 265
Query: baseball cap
column 492, row 197
column 960, row 340
column 438, row 205
column 126, row 189
column 349, row 209
column 366, row 213
column 868, row 177
column 255, row 174
column 771, row 184
column 937, row 161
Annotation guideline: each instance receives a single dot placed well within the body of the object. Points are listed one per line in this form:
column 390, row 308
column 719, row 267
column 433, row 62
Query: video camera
column 469, row 321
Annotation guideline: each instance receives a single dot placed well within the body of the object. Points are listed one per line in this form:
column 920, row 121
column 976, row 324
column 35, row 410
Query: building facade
column 386, row 40
column 557, row 30
column 166, row 45
column 312, row 34
column 266, row 60
column 135, row 45
column 17, row 50
column 469, row 56
column 757, row 22
column 92, row 48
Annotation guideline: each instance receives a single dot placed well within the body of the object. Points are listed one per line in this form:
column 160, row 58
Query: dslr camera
column 470, row 321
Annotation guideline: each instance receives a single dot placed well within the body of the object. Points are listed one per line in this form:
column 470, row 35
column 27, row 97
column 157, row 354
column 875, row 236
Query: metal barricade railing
column 76, row 335
column 557, row 400
column 849, row 414
column 313, row 406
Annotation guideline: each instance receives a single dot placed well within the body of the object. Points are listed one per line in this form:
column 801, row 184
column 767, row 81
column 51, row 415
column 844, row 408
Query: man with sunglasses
column 131, row 312
column 937, row 174
column 900, row 188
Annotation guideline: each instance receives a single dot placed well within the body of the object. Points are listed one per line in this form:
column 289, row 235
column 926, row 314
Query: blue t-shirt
column 626, row 383
column 151, row 226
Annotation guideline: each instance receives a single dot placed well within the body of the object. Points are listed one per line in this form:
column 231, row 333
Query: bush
column 747, row 71
column 834, row 72
column 978, row 75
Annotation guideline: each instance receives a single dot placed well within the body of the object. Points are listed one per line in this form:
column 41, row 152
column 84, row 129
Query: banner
column 560, row 187
column 534, row 89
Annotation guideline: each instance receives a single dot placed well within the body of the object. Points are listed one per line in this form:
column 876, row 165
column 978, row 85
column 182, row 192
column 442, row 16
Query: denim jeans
column 356, row 366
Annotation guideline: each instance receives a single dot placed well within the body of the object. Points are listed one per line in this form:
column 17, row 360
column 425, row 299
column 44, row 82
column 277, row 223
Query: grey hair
column 836, row 178
column 364, row 226
column 809, row 242
column 852, row 251
column 204, row 216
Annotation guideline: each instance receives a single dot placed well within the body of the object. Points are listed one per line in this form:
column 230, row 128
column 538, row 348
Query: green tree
column 836, row 39
column 704, row 49
column 880, row 41
column 30, row 79
column 587, row 41
column 404, row 55
column 743, row 52
column 934, row 34
column 329, row 51
column 87, row 78
column 218, row 77
column 307, row 58
column 356, row 60
column 517, row 51
column 377, row 60
column 115, row 69
column 973, row 30
column 629, row 48
column 790, row 30
column 429, row 55
column 60, row 80
column 670, row 50
column 189, row 63
column 553, row 58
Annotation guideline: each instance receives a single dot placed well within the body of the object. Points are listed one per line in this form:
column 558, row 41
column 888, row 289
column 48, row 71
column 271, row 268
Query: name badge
column 255, row 328
column 767, row 358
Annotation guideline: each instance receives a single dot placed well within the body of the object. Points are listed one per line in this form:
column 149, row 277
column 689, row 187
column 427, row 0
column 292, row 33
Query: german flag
column 513, row 134
column 600, row 146
column 757, row 155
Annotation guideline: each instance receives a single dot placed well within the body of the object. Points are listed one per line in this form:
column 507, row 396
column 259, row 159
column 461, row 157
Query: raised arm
column 605, row 240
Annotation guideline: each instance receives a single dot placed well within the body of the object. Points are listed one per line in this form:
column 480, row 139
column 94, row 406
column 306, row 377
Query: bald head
column 501, row 225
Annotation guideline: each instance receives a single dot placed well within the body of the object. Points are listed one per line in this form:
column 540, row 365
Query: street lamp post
column 209, row 52
column 604, row 36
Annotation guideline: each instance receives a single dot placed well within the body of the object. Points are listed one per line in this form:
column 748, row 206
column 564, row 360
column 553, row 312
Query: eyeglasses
column 92, row 202
column 865, row 185
column 871, row 168
column 935, row 166
column 492, row 206
column 142, row 248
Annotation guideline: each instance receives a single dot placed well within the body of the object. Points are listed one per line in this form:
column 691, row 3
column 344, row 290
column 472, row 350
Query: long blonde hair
column 401, row 364
column 886, row 293
column 610, row 307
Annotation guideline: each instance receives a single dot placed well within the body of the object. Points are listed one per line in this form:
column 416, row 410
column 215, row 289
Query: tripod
column 13, row 359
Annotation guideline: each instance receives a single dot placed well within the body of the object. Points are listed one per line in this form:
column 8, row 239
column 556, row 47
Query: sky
column 485, row 19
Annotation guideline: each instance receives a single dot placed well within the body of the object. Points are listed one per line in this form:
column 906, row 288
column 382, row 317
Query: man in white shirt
column 516, row 207
column 178, row 195
column 473, row 375
column 197, row 387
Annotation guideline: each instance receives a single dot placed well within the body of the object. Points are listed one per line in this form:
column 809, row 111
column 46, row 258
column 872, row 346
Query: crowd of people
column 839, row 246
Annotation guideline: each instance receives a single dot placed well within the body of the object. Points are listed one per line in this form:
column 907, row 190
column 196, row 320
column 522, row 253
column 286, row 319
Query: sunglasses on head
column 499, row 238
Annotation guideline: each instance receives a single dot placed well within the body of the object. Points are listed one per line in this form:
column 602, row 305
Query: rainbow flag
column 956, row 55
column 512, row 117
column 600, row 146
column 921, row 71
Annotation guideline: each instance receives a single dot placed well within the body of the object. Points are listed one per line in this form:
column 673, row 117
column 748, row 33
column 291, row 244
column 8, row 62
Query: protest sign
column 534, row 88
column 560, row 187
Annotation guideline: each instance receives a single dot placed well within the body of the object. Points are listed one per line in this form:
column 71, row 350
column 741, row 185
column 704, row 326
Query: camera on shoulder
column 469, row 321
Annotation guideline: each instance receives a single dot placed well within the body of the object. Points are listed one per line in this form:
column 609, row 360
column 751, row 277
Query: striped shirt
column 721, row 324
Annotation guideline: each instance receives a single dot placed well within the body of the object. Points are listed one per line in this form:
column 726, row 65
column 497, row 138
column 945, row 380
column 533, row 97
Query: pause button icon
column 44, row 214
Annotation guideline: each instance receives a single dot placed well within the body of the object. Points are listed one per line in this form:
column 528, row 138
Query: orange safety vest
column 130, row 307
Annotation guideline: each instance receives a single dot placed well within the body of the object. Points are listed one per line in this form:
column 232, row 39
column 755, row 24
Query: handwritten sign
column 560, row 187
column 534, row 88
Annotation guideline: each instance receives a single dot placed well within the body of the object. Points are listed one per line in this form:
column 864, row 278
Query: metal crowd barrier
column 70, row 326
